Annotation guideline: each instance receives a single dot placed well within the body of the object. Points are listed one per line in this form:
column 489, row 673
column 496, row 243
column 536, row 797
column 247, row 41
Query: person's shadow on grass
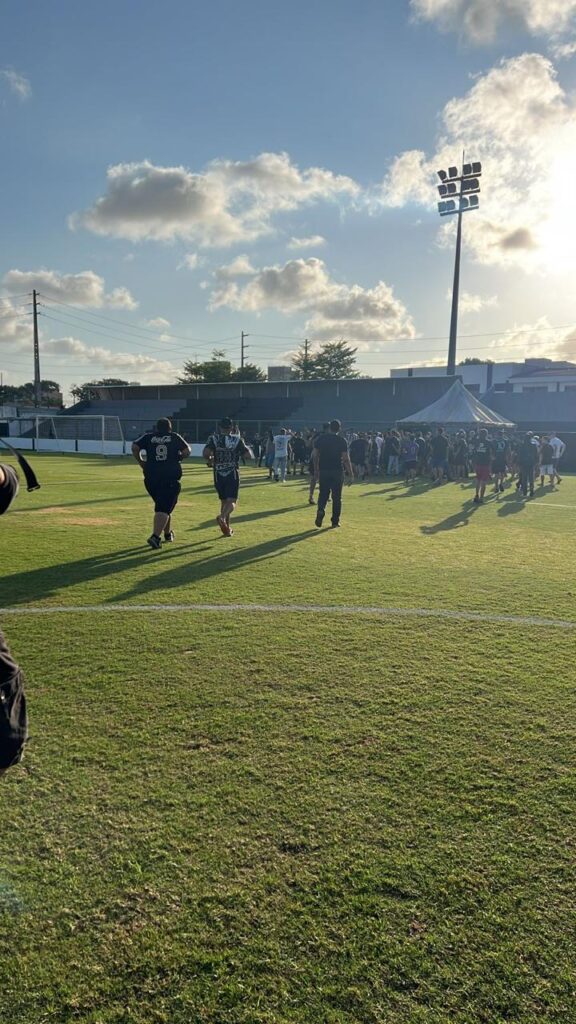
column 35, row 585
column 453, row 522
column 223, row 561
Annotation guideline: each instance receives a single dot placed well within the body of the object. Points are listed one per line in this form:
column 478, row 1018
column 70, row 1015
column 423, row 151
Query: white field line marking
column 328, row 609
column 549, row 504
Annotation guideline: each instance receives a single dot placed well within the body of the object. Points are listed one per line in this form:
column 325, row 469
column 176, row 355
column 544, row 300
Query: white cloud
column 367, row 317
column 563, row 51
column 469, row 303
column 230, row 201
column 538, row 339
column 158, row 323
column 481, row 20
column 15, row 323
column 189, row 262
column 312, row 242
column 239, row 267
column 107, row 360
column 522, row 125
column 17, row 83
column 84, row 289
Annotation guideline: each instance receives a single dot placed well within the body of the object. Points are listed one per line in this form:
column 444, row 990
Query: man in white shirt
column 281, row 442
column 559, row 448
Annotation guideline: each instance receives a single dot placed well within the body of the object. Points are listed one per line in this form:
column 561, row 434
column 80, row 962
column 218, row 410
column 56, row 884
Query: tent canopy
column 457, row 408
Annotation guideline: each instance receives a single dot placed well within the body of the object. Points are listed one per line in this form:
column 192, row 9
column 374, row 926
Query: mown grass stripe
column 429, row 613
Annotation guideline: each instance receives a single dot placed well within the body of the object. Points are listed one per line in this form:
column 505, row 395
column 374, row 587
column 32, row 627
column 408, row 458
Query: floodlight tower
column 458, row 193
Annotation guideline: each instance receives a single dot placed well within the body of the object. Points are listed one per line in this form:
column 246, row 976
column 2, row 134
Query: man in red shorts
column 483, row 453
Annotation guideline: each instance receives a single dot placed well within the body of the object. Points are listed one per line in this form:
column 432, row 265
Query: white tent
column 457, row 408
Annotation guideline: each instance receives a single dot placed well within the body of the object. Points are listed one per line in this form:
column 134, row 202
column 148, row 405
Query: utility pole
column 37, row 386
column 243, row 347
column 305, row 358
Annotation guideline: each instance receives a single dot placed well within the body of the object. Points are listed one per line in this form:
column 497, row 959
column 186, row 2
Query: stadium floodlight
column 465, row 189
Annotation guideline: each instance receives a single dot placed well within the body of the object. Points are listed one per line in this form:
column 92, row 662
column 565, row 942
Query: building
column 480, row 378
column 276, row 373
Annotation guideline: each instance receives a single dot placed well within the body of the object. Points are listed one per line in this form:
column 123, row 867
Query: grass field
column 289, row 817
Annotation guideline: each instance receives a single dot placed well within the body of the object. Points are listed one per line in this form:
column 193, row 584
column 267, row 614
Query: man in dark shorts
column 439, row 448
column 359, row 455
column 482, row 455
column 299, row 452
column 500, row 462
column 165, row 450
column 223, row 452
column 331, row 460
column 13, row 717
column 528, row 456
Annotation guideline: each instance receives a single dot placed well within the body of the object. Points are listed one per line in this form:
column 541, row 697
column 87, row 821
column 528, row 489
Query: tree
column 474, row 361
column 218, row 370
column 334, row 361
column 303, row 364
column 49, row 389
column 82, row 392
column 248, row 372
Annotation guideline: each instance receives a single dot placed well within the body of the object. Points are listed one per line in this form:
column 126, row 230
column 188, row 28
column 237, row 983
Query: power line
column 147, row 330
column 111, row 332
column 109, row 337
column 14, row 316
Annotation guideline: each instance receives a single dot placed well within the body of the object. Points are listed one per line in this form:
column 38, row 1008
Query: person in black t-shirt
column 13, row 716
column 331, row 460
column 439, row 448
column 482, row 455
column 223, row 452
column 500, row 461
column 162, row 468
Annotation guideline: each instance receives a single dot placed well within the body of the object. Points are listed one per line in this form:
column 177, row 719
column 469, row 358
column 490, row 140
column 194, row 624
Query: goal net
column 98, row 434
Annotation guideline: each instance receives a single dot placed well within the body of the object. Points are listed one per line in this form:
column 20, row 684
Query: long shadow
column 516, row 501
column 214, row 565
column 412, row 490
column 249, row 516
column 461, row 518
column 48, row 581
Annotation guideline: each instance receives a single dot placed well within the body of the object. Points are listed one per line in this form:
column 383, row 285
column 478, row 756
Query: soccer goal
column 101, row 435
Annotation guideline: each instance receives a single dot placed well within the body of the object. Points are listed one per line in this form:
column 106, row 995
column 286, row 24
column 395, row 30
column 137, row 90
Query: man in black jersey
column 162, row 467
column 13, row 718
column 500, row 461
column 331, row 460
column 223, row 451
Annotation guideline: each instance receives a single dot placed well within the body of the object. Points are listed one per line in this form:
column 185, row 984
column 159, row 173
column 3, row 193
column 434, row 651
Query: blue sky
column 187, row 171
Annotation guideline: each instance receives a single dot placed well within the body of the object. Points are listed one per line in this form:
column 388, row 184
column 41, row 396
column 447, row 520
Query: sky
column 174, row 174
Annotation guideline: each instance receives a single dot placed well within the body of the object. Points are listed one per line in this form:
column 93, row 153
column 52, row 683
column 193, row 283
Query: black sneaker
column 311, row 501
column 169, row 537
column 476, row 499
column 319, row 518
column 154, row 542
column 335, row 526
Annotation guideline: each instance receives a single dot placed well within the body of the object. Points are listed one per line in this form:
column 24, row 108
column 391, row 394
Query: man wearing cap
column 223, row 451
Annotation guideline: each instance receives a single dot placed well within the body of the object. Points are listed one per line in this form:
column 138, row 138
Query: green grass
column 273, row 818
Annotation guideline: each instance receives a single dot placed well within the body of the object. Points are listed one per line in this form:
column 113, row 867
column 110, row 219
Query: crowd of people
column 330, row 457
column 437, row 455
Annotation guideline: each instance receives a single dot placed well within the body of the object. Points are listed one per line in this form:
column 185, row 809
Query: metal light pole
column 458, row 193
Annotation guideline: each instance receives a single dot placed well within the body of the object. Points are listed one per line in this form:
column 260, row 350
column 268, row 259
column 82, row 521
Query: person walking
column 281, row 442
column 223, row 452
column 528, row 455
column 559, row 448
column 162, row 470
column 482, row 455
column 332, row 461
